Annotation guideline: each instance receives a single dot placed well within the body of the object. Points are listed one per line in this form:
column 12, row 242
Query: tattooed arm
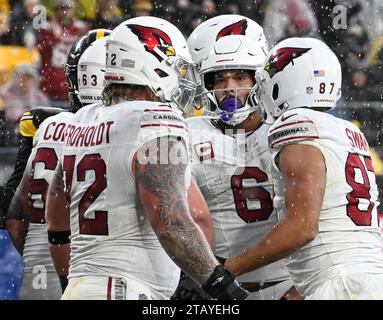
column 58, row 220
column 162, row 191
column 161, row 187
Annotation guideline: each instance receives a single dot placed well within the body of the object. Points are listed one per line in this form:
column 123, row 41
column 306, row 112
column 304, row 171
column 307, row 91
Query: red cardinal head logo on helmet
column 281, row 58
column 153, row 38
column 238, row 28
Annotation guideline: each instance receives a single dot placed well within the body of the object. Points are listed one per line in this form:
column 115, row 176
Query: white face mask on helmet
column 230, row 53
column 152, row 52
column 90, row 72
column 298, row 72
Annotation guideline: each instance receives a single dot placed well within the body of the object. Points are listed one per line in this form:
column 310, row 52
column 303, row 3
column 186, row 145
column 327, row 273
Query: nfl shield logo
column 309, row 90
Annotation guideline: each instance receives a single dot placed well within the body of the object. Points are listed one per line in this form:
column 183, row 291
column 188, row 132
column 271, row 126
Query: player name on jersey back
column 357, row 140
column 78, row 136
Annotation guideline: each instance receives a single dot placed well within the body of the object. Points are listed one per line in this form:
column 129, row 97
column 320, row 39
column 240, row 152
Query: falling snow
column 33, row 53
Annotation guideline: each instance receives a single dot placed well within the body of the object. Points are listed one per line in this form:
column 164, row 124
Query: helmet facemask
column 71, row 75
column 238, row 55
column 228, row 108
column 183, row 96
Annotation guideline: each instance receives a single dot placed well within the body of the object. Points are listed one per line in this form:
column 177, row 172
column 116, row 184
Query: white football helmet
column 203, row 38
column 152, row 52
column 91, row 72
column 233, row 52
column 207, row 33
column 298, row 72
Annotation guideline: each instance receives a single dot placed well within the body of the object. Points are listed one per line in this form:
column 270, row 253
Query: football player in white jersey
column 328, row 189
column 40, row 280
column 231, row 162
column 127, row 171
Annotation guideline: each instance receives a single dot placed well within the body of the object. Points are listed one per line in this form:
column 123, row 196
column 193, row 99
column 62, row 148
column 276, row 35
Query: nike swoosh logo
column 283, row 118
column 198, row 49
column 219, row 279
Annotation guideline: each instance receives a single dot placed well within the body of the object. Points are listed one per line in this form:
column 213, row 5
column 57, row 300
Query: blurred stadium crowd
column 35, row 36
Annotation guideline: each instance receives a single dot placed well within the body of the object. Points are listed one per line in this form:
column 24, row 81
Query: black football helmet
column 74, row 55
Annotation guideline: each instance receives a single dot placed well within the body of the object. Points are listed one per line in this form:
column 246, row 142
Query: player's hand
column 189, row 290
column 222, row 286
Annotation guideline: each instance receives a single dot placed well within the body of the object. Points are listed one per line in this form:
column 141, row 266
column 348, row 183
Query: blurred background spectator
column 371, row 16
column 108, row 14
column 5, row 25
column 86, row 9
column 54, row 43
column 20, row 95
column 375, row 66
column 352, row 46
column 208, row 9
column 23, row 31
column 288, row 18
column 141, row 8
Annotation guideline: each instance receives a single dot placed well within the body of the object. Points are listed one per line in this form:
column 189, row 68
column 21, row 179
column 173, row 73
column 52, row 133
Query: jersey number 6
column 243, row 195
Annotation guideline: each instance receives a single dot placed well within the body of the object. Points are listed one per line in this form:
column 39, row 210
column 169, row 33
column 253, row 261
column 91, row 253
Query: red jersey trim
column 163, row 125
column 109, row 291
column 159, row 110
